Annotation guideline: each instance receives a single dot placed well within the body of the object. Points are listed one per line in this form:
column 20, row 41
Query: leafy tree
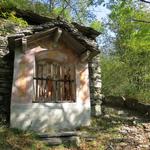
column 72, row 10
column 97, row 25
column 131, row 43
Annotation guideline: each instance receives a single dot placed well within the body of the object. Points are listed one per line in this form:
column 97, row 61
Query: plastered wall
column 47, row 116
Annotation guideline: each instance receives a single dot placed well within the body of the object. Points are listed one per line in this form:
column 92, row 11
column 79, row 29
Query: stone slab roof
column 86, row 36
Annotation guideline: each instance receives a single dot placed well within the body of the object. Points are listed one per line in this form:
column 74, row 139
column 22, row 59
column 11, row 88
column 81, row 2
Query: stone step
column 58, row 138
column 58, row 134
column 55, row 141
column 52, row 141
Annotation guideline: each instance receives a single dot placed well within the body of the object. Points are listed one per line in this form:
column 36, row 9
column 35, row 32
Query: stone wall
column 6, row 73
column 95, row 85
column 128, row 103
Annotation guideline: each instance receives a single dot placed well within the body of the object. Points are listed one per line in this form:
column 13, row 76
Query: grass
column 103, row 130
column 14, row 139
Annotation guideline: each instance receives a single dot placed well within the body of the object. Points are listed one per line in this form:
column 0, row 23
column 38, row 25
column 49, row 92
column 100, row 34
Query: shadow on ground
column 119, row 129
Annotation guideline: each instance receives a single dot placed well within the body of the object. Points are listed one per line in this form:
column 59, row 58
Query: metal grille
column 54, row 82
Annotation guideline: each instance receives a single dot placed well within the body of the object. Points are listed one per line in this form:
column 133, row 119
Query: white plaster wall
column 48, row 116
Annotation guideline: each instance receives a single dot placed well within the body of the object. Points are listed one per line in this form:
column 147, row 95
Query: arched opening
column 54, row 80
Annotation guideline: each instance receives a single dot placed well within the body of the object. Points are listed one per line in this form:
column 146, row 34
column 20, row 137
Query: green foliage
column 18, row 21
column 78, row 10
column 128, row 67
column 15, row 20
column 63, row 13
column 10, row 15
column 126, row 70
column 17, row 139
column 97, row 25
column 39, row 8
column 21, row 4
column 121, row 79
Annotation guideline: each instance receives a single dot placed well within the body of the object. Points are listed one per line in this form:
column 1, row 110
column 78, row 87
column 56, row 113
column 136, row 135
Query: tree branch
column 145, row 1
column 74, row 10
column 62, row 11
column 137, row 20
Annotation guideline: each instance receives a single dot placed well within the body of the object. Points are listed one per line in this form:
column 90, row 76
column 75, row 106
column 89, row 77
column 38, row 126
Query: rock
column 10, row 27
column 129, row 129
column 54, row 141
column 114, row 101
column 1, row 98
column 97, row 110
column 148, row 110
column 146, row 127
column 120, row 112
column 36, row 29
column 89, row 139
column 58, row 134
column 148, row 135
column 131, row 103
column 62, row 137
column 113, row 122
column 140, row 107
column 107, row 116
column 124, row 132
column 27, row 32
column 146, row 147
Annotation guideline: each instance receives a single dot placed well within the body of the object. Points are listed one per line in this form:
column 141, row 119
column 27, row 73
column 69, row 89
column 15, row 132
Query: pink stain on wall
column 21, row 82
column 26, row 69
column 84, row 86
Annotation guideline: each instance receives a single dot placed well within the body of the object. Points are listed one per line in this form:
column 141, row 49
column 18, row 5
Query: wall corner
column 95, row 86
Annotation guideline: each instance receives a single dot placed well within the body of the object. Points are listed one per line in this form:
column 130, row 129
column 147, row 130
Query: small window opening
column 54, row 82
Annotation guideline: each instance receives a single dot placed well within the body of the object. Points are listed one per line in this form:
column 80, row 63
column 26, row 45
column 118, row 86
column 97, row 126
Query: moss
column 13, row 139
column 18, row 21
column 11, row 25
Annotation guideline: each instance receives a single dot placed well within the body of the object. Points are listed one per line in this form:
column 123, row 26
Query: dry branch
column 145, row 1
column 143, row 21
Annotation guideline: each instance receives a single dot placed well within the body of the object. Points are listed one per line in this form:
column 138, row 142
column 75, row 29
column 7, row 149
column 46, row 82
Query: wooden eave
column 40, row 35
column 80, row 44
column 72, row 43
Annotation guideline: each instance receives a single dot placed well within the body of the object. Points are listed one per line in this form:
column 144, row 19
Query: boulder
column 114, row 101
column 131, row 103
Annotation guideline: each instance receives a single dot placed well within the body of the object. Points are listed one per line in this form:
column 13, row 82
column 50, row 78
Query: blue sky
column 101, row 12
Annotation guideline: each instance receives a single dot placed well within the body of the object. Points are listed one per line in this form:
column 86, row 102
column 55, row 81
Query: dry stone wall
column 128, row 103
column 95, row 85
column 6, row 74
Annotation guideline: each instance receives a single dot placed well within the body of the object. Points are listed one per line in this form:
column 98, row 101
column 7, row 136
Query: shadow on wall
column 49, row 117
column 23, row 76
column 6, row 73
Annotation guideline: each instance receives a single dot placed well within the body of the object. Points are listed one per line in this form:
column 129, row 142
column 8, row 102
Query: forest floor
column 120, row 130
column 117, row 129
